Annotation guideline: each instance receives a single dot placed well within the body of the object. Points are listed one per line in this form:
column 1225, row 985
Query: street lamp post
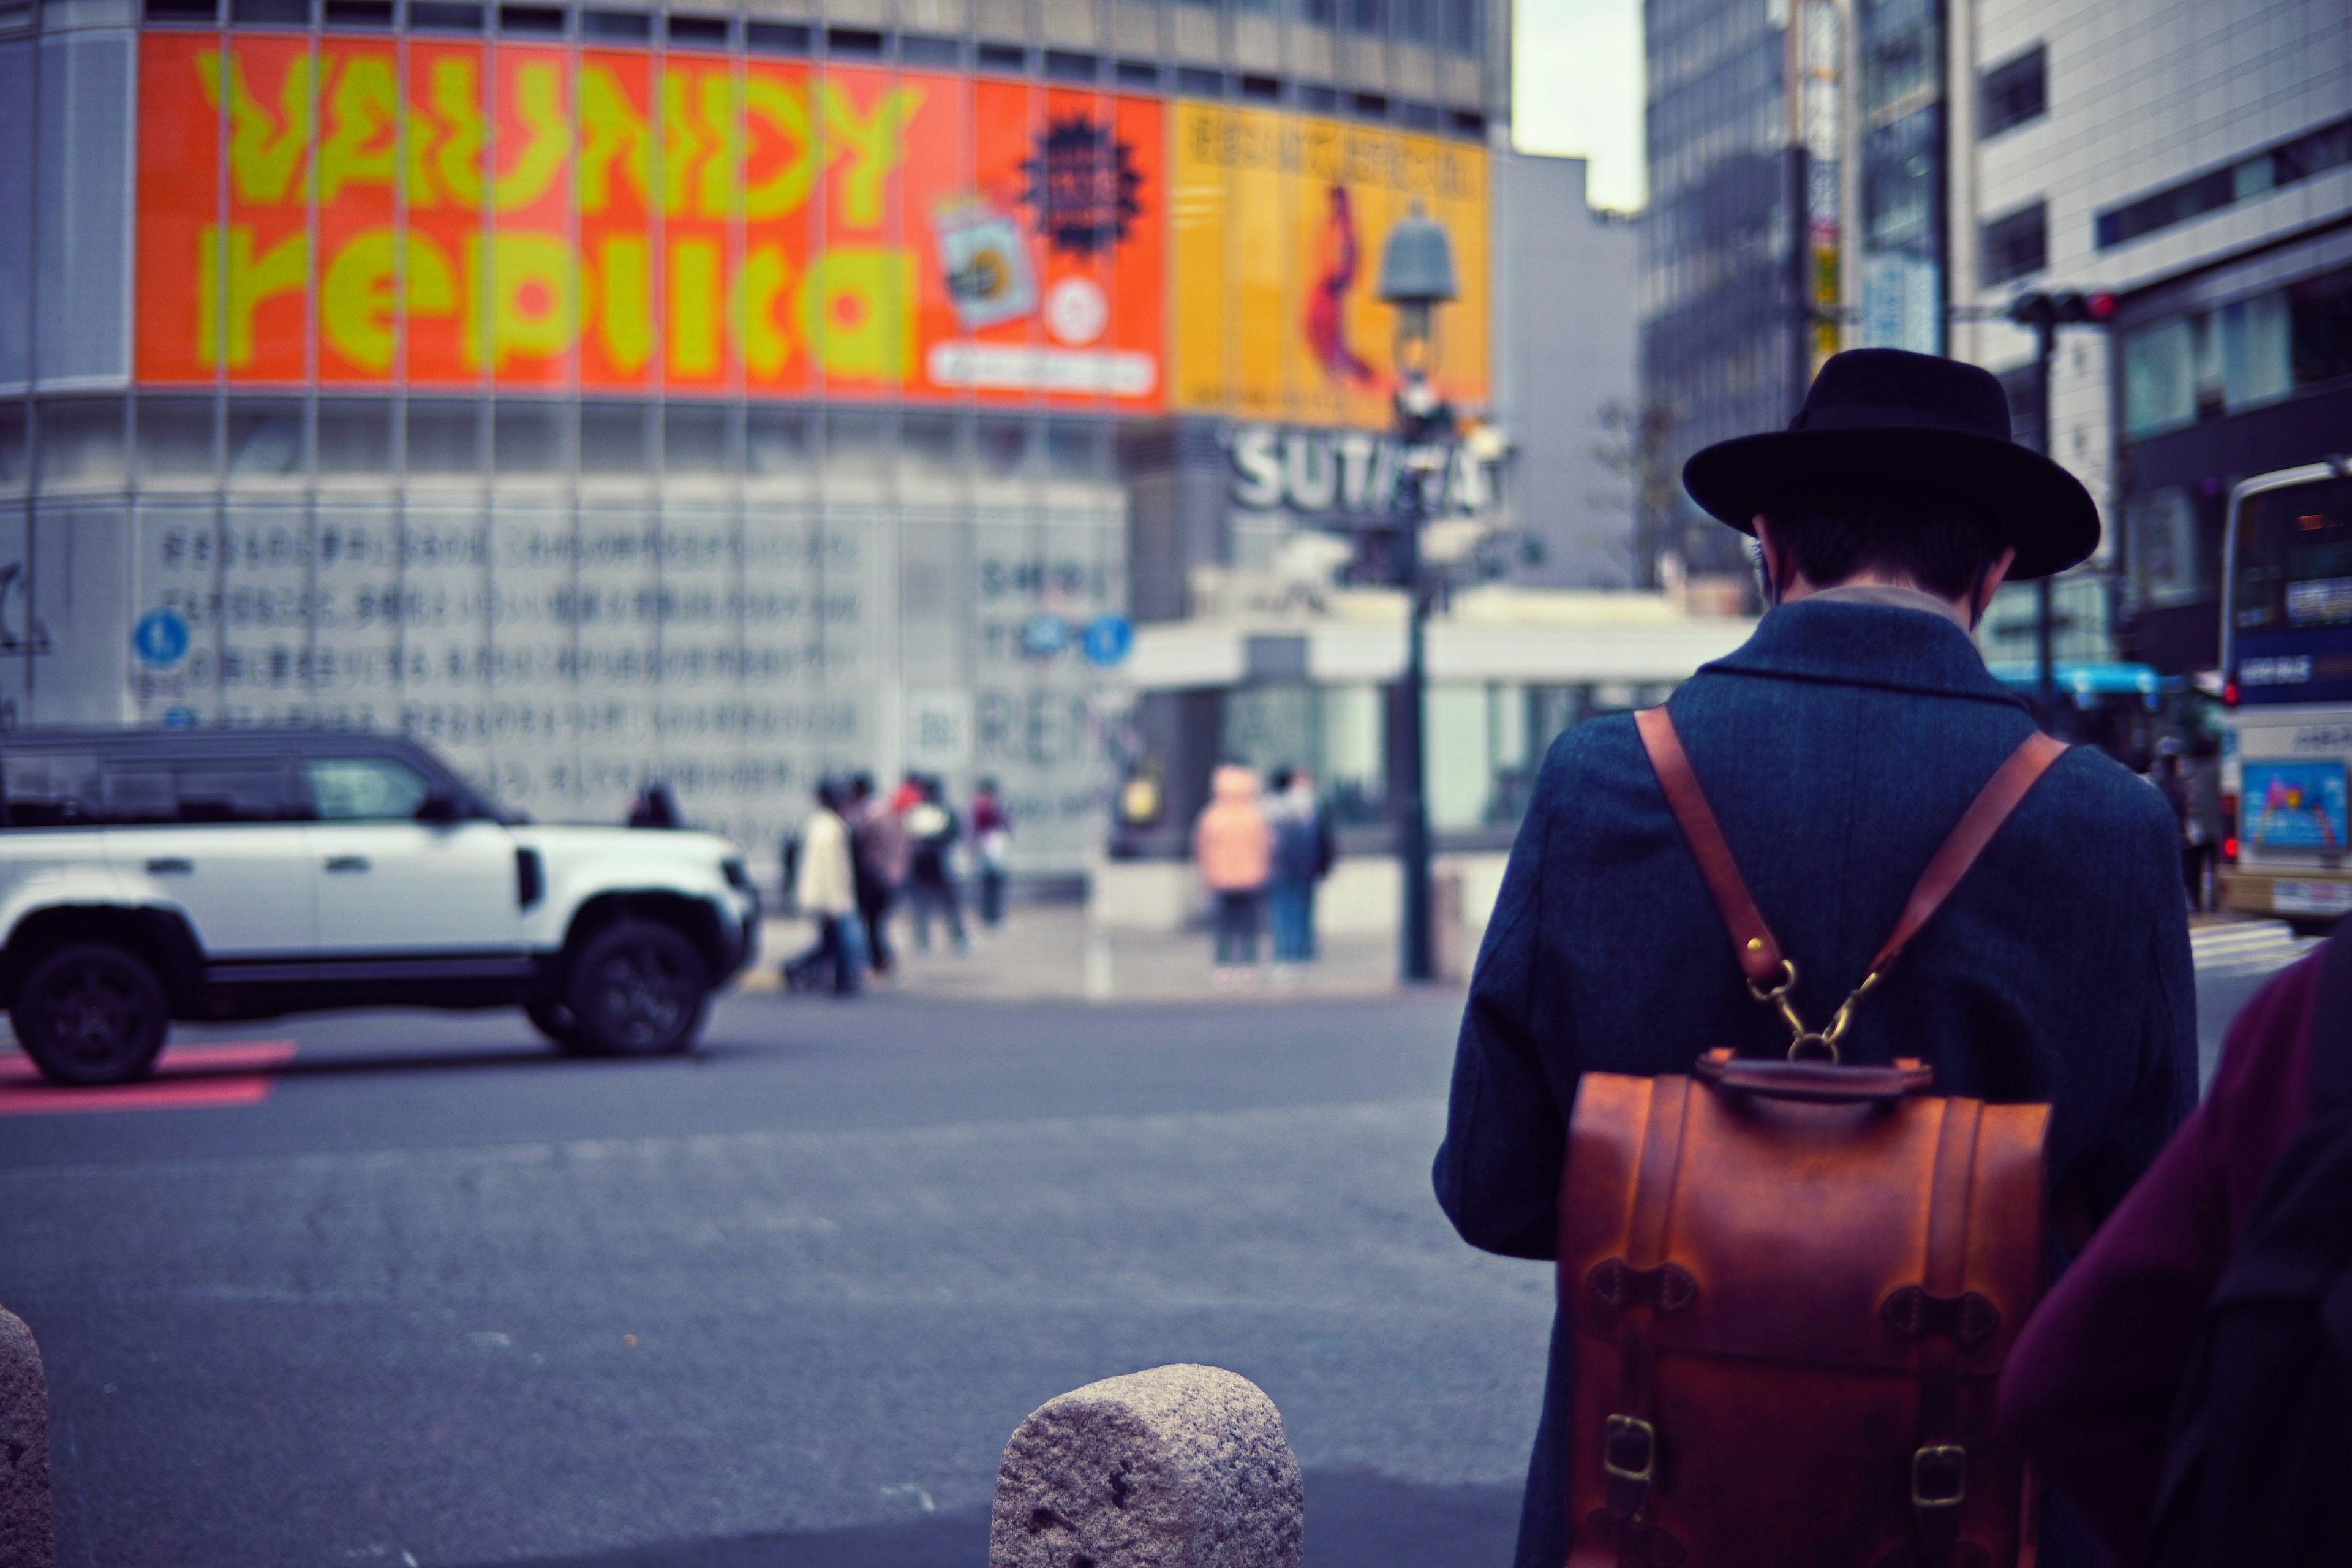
column 1416, row 277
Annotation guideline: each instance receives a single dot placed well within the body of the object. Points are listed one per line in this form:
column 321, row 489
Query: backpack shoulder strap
column 1975, row 829
column 1757, row 949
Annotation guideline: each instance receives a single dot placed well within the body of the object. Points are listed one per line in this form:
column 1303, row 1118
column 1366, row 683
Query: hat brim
column 2039, row 508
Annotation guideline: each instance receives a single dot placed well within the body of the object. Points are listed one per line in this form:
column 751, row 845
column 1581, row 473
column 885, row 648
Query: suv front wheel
column 91, row 1014
column 637, row 988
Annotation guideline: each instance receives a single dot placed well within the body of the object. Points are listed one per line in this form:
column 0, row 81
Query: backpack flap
column 1783, row 1291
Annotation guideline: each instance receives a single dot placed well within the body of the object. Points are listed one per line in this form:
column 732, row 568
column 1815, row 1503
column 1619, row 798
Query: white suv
column 152, row 875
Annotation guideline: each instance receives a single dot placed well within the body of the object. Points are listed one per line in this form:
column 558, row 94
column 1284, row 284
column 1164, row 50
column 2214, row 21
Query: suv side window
column 366, row 789
column 46, row 789
column 148, row 792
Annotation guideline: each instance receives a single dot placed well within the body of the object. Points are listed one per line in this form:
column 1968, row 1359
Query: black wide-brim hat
column 1934, row 426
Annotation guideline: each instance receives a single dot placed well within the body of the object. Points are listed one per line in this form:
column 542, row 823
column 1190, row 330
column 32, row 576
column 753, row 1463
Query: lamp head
column 1417, row 263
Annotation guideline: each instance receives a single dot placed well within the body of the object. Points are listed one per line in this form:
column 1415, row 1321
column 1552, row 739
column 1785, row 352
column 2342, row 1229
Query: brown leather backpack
column 1793, row 1283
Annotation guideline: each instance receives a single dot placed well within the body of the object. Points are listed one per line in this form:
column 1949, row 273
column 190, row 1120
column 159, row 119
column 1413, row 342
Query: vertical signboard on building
column 1278, row 223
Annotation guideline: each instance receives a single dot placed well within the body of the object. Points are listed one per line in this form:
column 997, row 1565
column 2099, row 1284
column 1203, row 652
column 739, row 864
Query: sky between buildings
column 1576, row 89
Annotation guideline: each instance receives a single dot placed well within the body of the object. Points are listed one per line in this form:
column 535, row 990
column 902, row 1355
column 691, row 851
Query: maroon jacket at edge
column 2089, row 1388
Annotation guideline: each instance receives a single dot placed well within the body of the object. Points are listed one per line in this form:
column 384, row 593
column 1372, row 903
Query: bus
column 2286, row 666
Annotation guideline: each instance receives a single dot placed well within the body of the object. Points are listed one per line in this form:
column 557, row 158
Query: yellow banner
column 1277, row 221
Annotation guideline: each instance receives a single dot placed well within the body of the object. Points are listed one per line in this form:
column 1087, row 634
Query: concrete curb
column 27, row 1537
column 1180, row 1466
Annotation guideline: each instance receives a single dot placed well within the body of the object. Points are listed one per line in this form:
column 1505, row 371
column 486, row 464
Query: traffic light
column 2066, row 310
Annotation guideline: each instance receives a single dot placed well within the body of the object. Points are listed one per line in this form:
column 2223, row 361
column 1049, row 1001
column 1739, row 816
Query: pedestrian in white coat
column 824, row 886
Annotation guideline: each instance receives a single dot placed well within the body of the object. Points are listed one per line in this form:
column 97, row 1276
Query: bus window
column 2295, row 559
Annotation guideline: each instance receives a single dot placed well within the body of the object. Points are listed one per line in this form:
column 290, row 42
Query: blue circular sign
column 1043, row 637
column 160, row 636
column 1109, row 639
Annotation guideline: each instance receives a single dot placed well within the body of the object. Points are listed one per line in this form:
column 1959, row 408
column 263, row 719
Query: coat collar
column 1848, row 643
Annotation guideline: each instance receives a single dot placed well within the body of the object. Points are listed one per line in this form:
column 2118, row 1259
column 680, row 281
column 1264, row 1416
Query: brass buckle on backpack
column 1631, row 1450
column 1939, row 1476
column 1806, row 1044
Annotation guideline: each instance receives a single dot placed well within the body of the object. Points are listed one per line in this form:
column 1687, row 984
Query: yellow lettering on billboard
column 363, row 116
column 612, row 132
column 232, row 283
column 694, row 307
column 457, row 156
column 625, row 314
column 682, row 143
column 722, row 171
column 758, row 294
column 360, row 296
column 539, row 99
column 872, row 144
column 265, row 148
column 857, row 311
column 785, row 113
column 525, row 280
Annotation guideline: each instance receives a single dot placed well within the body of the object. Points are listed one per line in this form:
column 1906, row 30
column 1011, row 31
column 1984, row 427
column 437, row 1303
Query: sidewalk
column 1039, row 953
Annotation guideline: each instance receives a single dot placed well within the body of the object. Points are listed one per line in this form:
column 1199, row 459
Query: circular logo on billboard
column 1076, row 310
column 1109, row 639
column 160, row 636
column 1043, row 637
column 1081, row 185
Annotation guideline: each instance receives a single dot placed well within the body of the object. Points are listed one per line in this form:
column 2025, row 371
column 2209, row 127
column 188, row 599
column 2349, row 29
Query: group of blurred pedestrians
column 1261, row 849
column 862, row 853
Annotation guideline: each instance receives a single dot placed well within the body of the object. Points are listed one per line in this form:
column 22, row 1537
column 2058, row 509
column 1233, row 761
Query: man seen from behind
column 1838, row 747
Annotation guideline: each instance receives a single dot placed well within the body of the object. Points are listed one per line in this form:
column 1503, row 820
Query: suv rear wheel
column 91, row 1014
column 637, row 988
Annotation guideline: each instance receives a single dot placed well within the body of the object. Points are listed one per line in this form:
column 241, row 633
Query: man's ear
column 1768, row 561
column 1995, row 574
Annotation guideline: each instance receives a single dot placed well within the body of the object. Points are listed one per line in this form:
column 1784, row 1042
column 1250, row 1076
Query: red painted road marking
column 186, row 1077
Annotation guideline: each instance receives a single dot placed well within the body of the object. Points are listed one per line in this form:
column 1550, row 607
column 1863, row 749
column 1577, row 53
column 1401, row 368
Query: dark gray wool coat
column 1838, row 747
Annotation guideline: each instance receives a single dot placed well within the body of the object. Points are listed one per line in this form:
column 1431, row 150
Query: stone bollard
column 1181, row 1466
column 26, row 1537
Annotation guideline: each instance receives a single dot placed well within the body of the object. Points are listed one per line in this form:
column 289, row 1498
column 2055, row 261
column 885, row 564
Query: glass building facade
column 609, row 396
column 1713, row 335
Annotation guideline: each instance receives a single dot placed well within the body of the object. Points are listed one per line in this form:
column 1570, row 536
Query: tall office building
column 1714, row 340
column 2196, row 161
column 723, row 396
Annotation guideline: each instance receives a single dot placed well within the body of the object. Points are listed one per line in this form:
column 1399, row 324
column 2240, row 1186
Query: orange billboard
column 356, row 213
column 1278, row 223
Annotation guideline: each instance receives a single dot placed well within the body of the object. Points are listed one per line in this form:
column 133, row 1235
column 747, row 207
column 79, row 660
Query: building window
column 1459, row 19
column 2015, row 91
column 921, row 49
column 1369, row 16
column 2017, row 245
column 2313, row 152
column 1322, row 13
column 2240, row 355
column 2320, row 320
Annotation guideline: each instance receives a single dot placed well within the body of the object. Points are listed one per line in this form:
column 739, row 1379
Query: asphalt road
column 442, row 1298
column 428, row 1294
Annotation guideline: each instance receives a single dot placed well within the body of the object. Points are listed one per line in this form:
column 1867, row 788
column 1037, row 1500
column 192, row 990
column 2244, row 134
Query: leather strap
column 1939, row 1465
column 1999, row 797
column 1630, row 1444
column 1758, row 951
column 1753, row 943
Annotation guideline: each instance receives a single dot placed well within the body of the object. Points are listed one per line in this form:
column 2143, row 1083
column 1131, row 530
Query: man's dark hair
column 1937, row 543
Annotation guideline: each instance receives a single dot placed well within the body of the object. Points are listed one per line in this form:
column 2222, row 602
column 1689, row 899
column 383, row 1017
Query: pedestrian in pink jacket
column 1233, row 846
